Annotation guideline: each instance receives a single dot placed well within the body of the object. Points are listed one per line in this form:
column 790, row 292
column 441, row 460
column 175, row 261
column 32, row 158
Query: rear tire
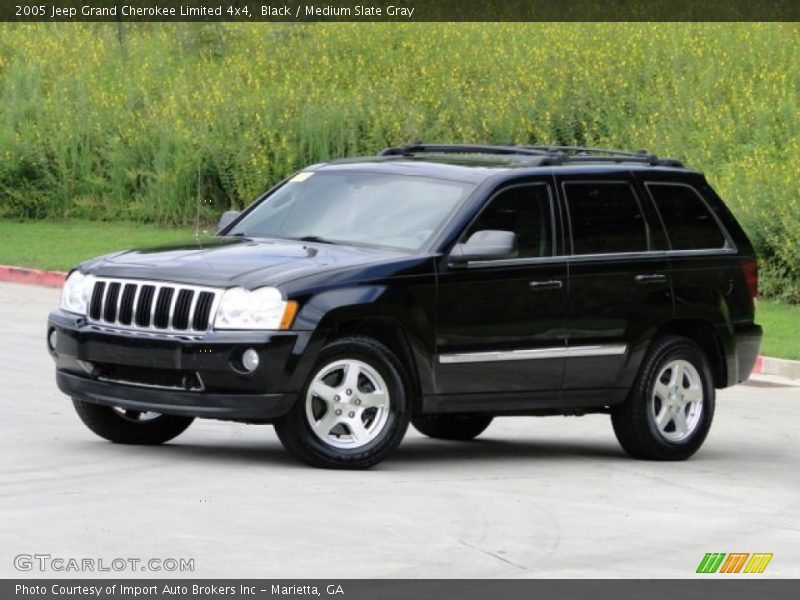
column 353, row 410
column 130, row 427
column 670, row 407
column 452, row 427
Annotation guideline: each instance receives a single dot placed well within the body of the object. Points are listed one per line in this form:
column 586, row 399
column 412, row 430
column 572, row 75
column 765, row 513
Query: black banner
column 399, row 10
column 707, row 588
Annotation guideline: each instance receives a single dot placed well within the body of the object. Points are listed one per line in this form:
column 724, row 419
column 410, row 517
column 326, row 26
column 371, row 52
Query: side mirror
column 488, row 244
column 226, row 219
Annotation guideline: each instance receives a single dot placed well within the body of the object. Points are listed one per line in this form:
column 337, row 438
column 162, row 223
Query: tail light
column 750, row 272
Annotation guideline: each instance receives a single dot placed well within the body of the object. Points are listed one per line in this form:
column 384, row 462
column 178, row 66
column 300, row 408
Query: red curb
column 53, row 279
column 759, row 366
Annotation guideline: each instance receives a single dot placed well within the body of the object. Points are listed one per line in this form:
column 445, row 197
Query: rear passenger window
column 690, row 224
column 525, row 210
column 605, row 218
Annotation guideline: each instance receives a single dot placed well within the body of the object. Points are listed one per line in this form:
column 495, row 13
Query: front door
column 501, row 324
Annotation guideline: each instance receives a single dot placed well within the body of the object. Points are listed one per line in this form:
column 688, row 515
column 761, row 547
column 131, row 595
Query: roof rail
column 547, row 155
column 420, row 148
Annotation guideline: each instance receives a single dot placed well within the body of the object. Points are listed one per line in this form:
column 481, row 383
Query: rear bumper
column 748, row 345
column 199, row 376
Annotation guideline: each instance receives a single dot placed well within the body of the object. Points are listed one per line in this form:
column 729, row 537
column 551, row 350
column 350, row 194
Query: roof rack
column 546, row 155
column 420, row 148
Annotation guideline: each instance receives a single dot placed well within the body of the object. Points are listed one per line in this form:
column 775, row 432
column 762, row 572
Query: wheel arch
column 704, row 334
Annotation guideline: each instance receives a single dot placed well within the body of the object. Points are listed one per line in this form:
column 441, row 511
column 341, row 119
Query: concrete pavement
column 546, row 497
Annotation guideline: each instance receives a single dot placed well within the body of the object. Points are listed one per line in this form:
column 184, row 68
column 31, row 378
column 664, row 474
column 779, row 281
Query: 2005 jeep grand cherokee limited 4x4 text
column 439, row 285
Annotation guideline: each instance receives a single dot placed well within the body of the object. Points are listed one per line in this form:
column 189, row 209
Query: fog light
column 52, row 340
column 250, row 360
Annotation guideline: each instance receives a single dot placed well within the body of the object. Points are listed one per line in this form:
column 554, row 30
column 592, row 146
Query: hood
column 232, row 261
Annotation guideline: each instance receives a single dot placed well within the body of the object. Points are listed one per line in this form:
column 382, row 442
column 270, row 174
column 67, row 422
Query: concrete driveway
column 546, row 497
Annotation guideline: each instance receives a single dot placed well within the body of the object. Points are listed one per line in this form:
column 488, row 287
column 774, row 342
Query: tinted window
column 525, row 210
column 690, row 225
column 605, row 217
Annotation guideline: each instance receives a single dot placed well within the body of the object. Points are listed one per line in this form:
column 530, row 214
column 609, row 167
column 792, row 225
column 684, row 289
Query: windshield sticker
column 302, row 176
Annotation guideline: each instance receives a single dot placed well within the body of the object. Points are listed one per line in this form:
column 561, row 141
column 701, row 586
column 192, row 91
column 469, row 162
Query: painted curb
column 12, row 274
column 765, row 365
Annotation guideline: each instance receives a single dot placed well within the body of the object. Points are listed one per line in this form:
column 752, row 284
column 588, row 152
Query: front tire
column 670, row 407
column 128, row 426
column 452, row 427
column 353, row 411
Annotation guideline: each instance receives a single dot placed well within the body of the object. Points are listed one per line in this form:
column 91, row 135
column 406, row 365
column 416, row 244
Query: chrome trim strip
column 568, row 258
column 154, row 386
column 535, row 353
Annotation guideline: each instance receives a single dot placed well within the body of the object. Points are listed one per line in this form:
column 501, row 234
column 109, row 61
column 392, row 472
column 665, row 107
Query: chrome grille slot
column 180, row 316
column 126, row 304
column 145, row 304
column 110, row 302
column 161, row 315
column 152, row 306
column 202, row 311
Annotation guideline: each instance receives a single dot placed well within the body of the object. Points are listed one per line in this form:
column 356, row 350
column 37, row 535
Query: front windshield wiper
column 313, row 238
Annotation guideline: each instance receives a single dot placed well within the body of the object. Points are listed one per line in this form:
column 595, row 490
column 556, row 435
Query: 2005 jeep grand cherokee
column 433, row 284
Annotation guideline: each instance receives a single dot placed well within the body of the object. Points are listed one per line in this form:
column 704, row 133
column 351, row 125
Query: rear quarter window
column 687, row 218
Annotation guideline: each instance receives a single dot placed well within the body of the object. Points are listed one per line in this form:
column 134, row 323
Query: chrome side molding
column 535, row 353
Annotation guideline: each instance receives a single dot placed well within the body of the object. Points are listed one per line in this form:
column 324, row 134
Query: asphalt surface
column 546, row 497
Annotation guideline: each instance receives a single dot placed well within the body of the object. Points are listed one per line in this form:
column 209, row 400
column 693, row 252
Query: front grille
column 152, row 305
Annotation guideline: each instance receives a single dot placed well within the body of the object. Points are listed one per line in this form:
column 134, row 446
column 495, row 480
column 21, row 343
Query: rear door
column 619, row 280
column 501, row 322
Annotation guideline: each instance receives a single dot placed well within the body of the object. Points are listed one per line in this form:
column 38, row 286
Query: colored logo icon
column 734, row 562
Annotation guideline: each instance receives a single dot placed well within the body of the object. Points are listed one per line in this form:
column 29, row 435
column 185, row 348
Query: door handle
column 650, row 278
column 553, row 284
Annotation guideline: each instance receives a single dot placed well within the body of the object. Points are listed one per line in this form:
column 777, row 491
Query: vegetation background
column 147, row 122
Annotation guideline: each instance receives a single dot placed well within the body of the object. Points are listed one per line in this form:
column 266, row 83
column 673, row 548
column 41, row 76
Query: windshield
column 382, row 209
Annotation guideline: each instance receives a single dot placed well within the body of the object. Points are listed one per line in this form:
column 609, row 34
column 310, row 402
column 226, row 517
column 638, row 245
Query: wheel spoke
column 357, row 430
column 692, row 395
column 323, row 391
column 351, row 377
column 376, row 399
column 681, row 426
column 679, row 375
column 328, row 421
column 662, row 391
column 663, row 419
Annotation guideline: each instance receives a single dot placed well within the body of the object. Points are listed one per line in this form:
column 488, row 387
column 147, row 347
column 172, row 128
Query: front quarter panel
column 402, row 294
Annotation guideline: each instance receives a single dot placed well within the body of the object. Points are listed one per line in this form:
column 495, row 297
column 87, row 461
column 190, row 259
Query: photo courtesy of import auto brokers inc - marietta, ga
column 437, row 285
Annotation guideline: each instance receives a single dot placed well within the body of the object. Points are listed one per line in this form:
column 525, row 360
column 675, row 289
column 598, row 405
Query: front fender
column 408, row 308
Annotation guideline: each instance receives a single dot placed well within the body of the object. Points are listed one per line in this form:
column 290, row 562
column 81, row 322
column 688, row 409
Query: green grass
column 60, row 245
column 781, row 323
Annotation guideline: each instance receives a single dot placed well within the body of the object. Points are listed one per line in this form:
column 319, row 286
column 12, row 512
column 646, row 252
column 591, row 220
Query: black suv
column 437, row 284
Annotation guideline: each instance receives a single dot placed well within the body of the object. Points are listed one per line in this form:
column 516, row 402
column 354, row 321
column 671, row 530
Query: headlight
column 263, row 308
column 76, row 292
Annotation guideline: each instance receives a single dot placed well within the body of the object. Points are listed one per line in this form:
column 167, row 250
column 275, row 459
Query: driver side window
column 524, row 210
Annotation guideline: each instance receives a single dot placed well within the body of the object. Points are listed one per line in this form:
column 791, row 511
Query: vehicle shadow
column 411, row 451
column 502, row 450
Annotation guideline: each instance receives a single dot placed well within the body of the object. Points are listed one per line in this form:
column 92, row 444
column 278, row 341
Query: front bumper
column 198, row 376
